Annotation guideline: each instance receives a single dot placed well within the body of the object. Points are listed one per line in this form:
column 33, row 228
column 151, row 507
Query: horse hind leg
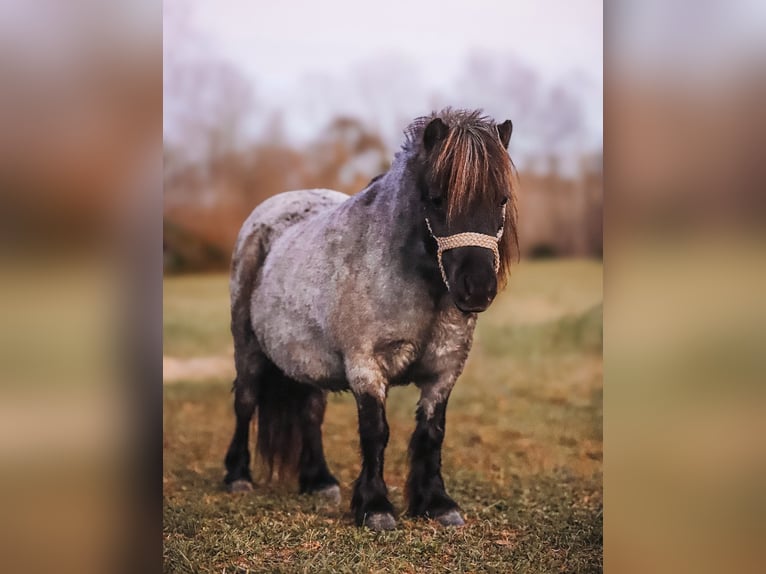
column 251, row 367
column 290, row 416
column 314, row 477
column 238, row 477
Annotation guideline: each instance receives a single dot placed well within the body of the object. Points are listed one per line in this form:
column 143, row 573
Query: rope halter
column 467, row 239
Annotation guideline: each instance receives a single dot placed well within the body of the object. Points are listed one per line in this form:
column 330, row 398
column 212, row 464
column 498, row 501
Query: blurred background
column 80, row 292
column 263, row 99
column 84, row 134
column 685, row 276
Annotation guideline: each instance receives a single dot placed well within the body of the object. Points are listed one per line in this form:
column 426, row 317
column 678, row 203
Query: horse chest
column 449, row 343
column 440, row 350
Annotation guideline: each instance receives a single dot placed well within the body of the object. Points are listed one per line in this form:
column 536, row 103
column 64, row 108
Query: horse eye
column 505, row 200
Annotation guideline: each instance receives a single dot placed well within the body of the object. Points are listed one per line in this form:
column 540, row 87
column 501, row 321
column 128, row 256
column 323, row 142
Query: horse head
column 467, row 191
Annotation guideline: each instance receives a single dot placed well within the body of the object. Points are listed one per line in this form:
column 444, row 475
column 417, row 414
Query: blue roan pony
column 331, row 293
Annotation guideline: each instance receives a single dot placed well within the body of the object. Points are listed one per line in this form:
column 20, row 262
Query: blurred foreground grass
column 523, row 452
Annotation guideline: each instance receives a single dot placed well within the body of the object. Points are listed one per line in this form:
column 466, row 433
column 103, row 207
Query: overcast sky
column 278, row 45
column 276, row 41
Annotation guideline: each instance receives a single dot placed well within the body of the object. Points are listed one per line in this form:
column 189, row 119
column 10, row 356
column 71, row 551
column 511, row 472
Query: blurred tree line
column 206, row 202
column 227, row 148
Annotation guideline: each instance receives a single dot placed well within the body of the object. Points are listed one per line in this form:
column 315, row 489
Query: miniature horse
column 361, row 293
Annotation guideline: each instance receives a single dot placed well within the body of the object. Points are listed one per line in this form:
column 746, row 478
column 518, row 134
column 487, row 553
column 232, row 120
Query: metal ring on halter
column 468, row 239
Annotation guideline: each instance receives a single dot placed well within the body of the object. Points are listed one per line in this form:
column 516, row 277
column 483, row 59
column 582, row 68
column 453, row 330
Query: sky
column 277, row 41
column 286, row 48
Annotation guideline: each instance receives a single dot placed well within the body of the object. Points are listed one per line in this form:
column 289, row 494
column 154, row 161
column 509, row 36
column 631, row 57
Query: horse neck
column 405, row 204
column 405, row 229
column 399, row 213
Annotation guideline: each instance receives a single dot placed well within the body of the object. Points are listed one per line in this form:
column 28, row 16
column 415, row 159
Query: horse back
column 266, row 223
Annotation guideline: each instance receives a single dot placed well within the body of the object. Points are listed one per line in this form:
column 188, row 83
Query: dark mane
column 475, row 169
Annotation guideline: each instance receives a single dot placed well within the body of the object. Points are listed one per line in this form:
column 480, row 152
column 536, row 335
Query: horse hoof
column 380, row 521
column 329, row 495
column 241, row 485
column 451, row 518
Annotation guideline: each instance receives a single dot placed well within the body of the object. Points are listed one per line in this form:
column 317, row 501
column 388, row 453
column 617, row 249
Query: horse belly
column 308, row 362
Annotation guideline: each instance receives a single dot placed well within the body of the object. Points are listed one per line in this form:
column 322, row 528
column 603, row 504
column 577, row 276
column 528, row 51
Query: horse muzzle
column 473, row 289
column 473, row 292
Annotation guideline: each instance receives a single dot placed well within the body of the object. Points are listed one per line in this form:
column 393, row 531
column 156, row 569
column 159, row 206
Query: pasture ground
column 522, row 454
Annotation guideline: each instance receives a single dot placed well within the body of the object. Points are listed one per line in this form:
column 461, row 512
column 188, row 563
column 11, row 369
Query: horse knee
column 314, row 409
column 244, row 399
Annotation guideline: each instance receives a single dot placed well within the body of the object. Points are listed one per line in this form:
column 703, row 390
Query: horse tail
column 282, row 407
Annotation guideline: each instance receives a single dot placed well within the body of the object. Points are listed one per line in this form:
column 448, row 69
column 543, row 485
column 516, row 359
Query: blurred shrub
column 185, row 252
column 542, row 251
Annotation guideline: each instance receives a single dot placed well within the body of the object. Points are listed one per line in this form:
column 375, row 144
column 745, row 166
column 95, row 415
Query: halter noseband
column 467, row 239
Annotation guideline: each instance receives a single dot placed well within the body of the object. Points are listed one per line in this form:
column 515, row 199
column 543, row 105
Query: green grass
column 196, row 315
column 522, row 455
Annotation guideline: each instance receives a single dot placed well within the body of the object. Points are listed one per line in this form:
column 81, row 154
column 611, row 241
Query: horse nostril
column 467, row 285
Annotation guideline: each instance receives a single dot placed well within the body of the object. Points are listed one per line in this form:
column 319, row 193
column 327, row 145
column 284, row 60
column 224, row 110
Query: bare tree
column 549, row 122
column 208, row 101
column 346, row 155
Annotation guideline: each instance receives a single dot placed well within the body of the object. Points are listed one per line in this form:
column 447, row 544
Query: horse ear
column 504, row 131
column 435, row 131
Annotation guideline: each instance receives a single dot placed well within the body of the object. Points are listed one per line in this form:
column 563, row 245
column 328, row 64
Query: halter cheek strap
column 468, row 239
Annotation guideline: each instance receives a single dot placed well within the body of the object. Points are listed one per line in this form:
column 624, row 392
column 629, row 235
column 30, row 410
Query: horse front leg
column 370, row 503
column 425, row 487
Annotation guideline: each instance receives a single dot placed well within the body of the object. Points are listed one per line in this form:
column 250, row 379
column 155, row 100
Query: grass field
column 522, row 454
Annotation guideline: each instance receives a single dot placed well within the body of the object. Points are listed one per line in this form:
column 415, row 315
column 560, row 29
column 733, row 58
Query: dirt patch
column 176, row 369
